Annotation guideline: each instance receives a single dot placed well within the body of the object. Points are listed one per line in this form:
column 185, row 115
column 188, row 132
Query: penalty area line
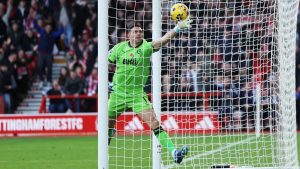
column 209, row 153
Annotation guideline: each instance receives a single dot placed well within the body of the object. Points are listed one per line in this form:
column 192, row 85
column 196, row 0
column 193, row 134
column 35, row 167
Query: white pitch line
column 209, row 152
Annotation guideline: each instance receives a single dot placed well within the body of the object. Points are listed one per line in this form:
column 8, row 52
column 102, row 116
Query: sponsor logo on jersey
column 132, row 61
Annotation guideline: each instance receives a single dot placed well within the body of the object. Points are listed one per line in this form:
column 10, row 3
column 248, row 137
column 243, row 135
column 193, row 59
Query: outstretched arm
column 181, row 25
column 58, row 32
column 164, row 40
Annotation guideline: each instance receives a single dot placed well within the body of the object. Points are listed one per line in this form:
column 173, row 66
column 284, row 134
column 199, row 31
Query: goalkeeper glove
column 183, row 25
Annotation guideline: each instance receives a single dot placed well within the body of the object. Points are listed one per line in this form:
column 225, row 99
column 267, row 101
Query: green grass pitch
column 81, row 152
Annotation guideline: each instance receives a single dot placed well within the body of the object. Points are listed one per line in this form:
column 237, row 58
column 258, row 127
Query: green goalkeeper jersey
column 132, row 67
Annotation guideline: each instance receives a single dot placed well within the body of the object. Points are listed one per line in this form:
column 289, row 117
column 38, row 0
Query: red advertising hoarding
column 86, row 124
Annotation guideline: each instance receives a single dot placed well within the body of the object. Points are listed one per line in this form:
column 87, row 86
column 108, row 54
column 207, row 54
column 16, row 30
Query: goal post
column 102, row 62
column 156, row 80
column 224, row 88
column 287, row 16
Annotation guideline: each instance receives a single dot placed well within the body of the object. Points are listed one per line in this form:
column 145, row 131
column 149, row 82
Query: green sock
column 164, row 139
column 111, row 132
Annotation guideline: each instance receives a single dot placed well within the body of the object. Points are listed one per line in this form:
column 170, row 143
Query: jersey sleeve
column 149, row 48
column 152, row 50
column 113, row 54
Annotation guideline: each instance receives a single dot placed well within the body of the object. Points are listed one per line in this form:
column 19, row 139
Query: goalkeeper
column 133, row 59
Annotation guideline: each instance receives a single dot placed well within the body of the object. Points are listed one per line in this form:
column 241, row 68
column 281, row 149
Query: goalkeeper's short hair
column 132, row 25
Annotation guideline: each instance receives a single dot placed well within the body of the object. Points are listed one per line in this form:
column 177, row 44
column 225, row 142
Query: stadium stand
column 23, row 52
column 37, row 39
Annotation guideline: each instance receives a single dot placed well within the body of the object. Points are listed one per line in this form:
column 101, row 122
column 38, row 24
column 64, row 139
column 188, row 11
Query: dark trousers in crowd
column 225, row 117
column 57, row 108
column 269, row 116
column 89, row 105
column 298, row 113
column 45, row 61
column 7, row 105
column 248, row 118
column 77, row 104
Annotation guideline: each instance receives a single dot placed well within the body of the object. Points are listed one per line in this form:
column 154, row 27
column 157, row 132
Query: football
column 179, row 12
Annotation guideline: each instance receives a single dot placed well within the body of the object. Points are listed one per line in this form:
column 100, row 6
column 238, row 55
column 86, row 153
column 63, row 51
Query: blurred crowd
column 224, row 58
column 227, row 53
column 32, row 33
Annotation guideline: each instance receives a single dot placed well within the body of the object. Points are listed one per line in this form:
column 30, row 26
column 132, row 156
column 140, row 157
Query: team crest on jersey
column 131, row 54
column 139, row 51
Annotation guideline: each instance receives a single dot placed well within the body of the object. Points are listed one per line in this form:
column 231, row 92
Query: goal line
column 213, row 152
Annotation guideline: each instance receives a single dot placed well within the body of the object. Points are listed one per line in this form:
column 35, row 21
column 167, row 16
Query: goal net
column 226, row 85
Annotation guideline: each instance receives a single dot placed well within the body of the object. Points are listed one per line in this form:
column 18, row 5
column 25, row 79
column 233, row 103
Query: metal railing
column 206, row 98
column 43, row 108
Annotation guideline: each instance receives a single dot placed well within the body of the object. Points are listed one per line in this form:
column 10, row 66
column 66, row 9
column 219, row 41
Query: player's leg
column 111, row 128
column 143, row 108
column 149, row 117
column 116, row 105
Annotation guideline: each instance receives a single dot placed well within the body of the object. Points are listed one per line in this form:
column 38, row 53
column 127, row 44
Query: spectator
column 184, row 82
column 29, row 41
column 21, row 13
column 3, row 25
column 227, row 103
column 185, row 103
column 9, row 85
column 30, row 18
column 3, row 69
column 63, row 75
column 10, row 62
column 16, row 35
column 45, row 49
column 269, row 102
column 51, row 5
column 64, row 15
column 166, row 81
column 81, row 14
column 92, row 82
column 91, row 89
column 23, row 73
column 73, row 86
column 26, row 27
column 79, row 71
column 89, row 58
column 56, row 105
column 5, row 17
column 247, row 105
column 204, row 82
column 193, row 76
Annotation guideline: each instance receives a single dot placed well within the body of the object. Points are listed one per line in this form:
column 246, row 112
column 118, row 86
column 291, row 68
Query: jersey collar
column 137, row 45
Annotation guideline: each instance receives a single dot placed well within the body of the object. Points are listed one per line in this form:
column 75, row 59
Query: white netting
column 231, row 70
column 129, row 149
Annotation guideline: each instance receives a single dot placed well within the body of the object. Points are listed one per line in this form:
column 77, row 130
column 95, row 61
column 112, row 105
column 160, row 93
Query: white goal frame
column 287, row 19
column 103, row 85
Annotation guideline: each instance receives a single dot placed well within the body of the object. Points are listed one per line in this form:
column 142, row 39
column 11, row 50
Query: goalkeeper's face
column 136, row 35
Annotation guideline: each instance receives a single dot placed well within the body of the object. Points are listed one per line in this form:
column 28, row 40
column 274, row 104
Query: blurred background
column 49, row 48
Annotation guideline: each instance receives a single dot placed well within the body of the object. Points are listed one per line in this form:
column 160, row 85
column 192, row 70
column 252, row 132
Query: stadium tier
column 156, row 84
column 239, row 55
